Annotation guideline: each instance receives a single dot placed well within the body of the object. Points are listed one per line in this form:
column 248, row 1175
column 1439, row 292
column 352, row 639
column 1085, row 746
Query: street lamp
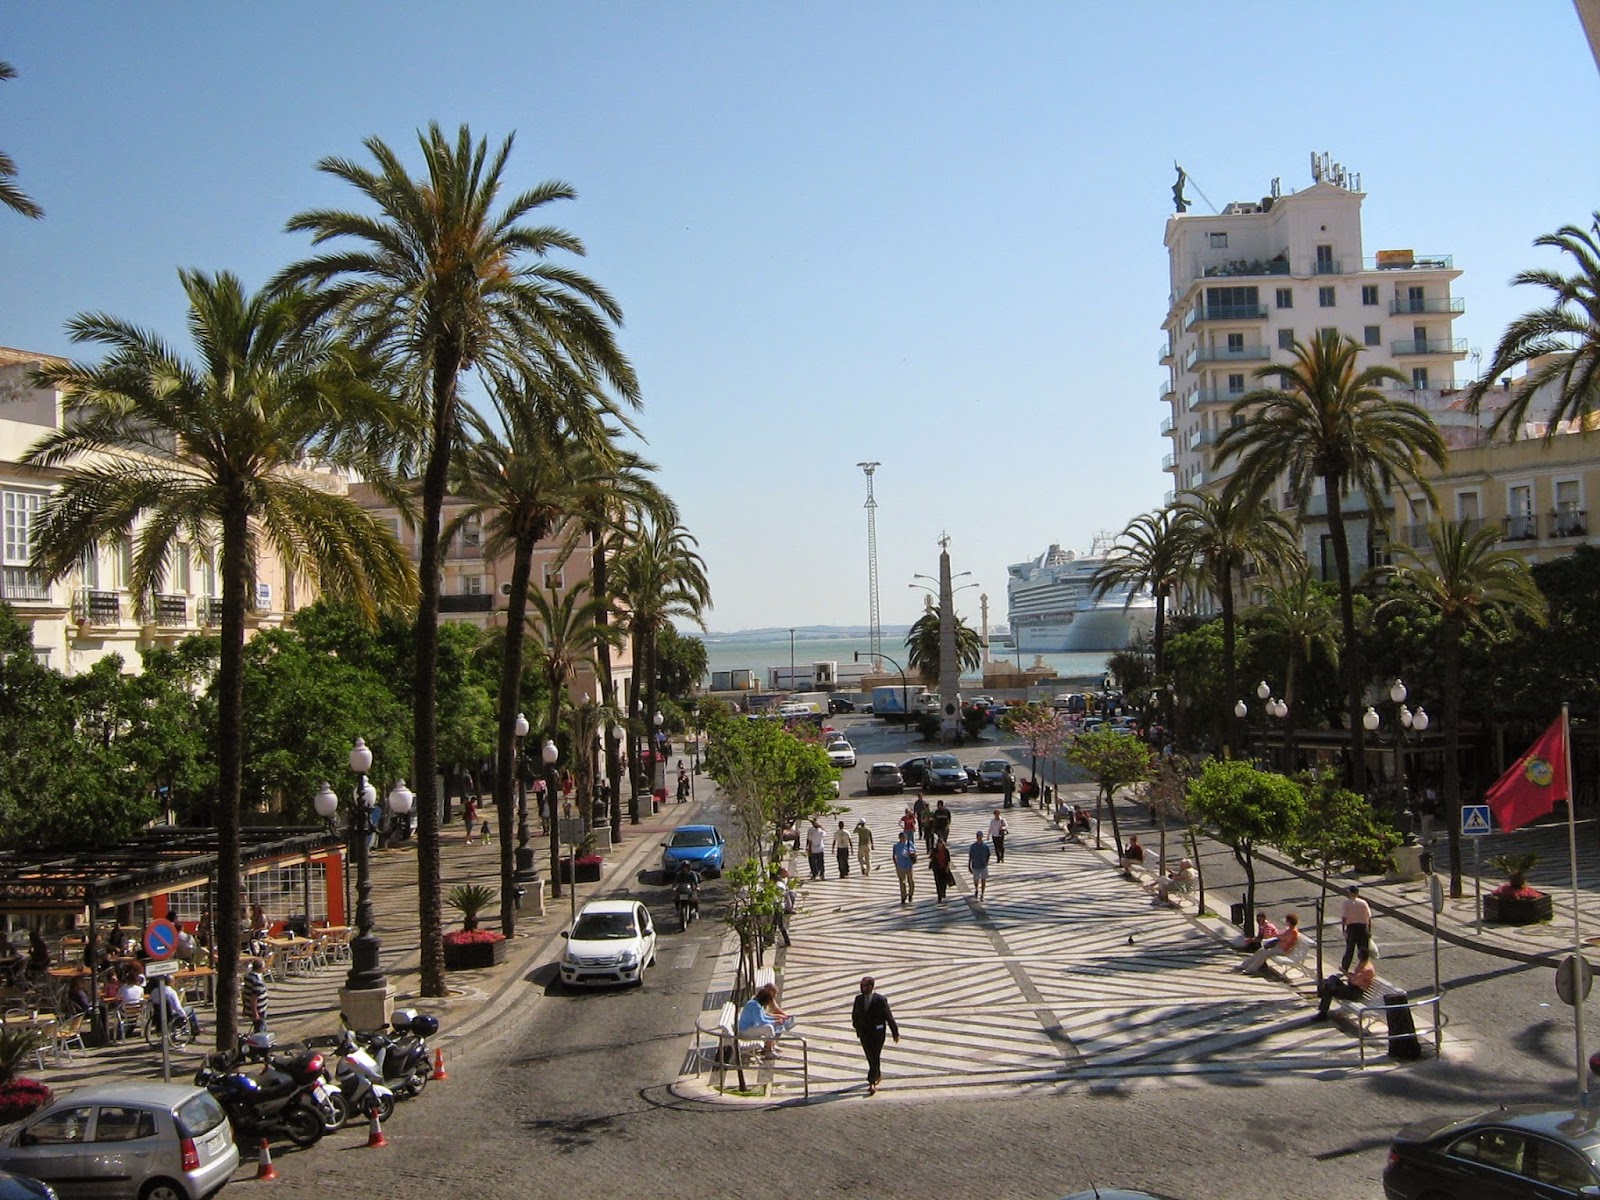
column 616, row 784
column 658, row 776
column 550, row 754
column 905, row 703
column 365, row 973
column 525, row 872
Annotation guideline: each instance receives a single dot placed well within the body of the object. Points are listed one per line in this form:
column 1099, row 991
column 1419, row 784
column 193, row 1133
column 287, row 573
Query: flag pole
column 1579, row 966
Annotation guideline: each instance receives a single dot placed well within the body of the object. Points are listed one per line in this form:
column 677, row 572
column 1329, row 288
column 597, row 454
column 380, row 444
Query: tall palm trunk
column 1452, row 748
column 425, row 733
column 1229, row 651
column 635, row 759
column 505, row 763
column 1160, row 630
column 552, row 794
column 1288, row 724
column 1350, row 660
column 599, row 572
column 236, row 586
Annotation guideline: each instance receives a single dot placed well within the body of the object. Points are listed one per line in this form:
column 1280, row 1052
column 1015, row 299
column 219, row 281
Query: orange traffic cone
column 266, row 1170
column 438, row 1064
column 375, row 1136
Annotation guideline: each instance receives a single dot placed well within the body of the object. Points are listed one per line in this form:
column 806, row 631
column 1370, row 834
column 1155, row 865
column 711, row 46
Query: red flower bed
column 1506, row 891
column 21, row 1098
column 590, row 860
column 472, row 937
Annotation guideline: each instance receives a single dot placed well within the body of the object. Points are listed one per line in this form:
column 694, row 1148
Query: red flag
column 1534, row 783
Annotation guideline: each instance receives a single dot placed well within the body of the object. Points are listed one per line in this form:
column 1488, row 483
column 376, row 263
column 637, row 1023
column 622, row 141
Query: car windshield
column 601, row 927
column 944, row 762
column 994, row 764
column 881, row 769
column 689, row 838
column 199, row 1115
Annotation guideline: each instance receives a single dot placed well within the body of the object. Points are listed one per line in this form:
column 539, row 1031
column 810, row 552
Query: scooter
column 402, row 1053
column 361, row 1080
column 686, row 894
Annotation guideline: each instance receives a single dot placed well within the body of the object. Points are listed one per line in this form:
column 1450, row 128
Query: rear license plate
column 321, row 1093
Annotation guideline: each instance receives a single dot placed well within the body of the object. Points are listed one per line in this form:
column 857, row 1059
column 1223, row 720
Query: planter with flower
column 470, row 948
column 1514, row 902
column 19, row 1097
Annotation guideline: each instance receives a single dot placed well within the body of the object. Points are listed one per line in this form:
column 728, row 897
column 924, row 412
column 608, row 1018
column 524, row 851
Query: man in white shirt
column 997, row 836
column 817, row 850
column 1356, row 919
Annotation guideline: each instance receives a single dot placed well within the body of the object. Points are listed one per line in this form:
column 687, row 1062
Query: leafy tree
column 1561, row 658
column 1331, row 424
column 1116, row 760
column 1297, row 615
column 11, row 195
column 1338, row 830
column 1247, row 808
column 1464, row 578
column 922, row 647
column 263, row 399
column 771, row 779
column 1567, row 329
column 1195, row 658
column 441, row 284
column 1167, row 796
column 1042, row 728
column 681, row 663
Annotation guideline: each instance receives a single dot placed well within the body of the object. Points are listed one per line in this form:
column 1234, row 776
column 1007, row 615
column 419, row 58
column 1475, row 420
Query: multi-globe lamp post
column 550, row 754
column 366, row 975
column 1405, row 719
column 525, row 871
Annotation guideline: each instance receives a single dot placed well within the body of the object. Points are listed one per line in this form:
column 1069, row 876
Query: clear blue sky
column 923, row 233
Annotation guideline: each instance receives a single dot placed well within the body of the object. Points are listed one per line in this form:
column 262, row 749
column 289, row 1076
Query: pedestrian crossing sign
column 1475, row 820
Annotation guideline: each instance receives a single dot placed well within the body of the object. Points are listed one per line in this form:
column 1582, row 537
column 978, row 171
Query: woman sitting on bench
column 1284, row 944
column 762, row 1018
column 1352, row 986
column 1181, row 880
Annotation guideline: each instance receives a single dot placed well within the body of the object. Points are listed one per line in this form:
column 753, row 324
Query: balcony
column 1225, row 312
column 1166, row 426
column 1213, row 396
column 208, row 610
column 1571, row 523
column 464, row 548
column 98, row 608
column 481, row 602
column 1521, row 527
column 1246, row 266
column 19, row 583
column 1412, row 305
column 171, row 610
column 1164, row 355
column 1327, row 266
column 1430, row 346
column 1415, row 536
column 1169, row 462
column 1398, row 260
column 1165, row 392
column 1227, row 354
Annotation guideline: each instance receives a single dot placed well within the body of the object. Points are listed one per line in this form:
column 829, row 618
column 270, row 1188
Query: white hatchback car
column 842, row 754
column 612, row 941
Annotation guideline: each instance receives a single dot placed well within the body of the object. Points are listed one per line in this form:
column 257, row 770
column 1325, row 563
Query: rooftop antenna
column 874, row 624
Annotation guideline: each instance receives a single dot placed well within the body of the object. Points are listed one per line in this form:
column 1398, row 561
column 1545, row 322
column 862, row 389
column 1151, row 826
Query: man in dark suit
column 872, row 1021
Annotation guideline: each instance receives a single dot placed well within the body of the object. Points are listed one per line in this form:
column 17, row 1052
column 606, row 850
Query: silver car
column 142, row 1141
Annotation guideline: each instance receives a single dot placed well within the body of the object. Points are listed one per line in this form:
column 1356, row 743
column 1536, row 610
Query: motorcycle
column 401, row 1053
column 686, row 895
column 289, row 1097
column 263, row 1048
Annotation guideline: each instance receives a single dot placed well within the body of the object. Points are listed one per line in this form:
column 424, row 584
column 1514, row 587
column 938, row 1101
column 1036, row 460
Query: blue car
column 701, row 846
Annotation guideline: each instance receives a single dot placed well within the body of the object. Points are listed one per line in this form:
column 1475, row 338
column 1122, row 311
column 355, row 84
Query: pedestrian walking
column 939, row 864
column 1356, row 919
column 908, row 822
column 873, row 1020
column 784, row 905
column 817, row 850
column 683, row 782
column 905, row 860
column 539, row 789
column 253, row 995
column 1008, row 783
column 841, row 849
column 940, row 818
column 924, row 831
column 978, row 863
column 864, row 847
column 469, row 815
column 997, row 836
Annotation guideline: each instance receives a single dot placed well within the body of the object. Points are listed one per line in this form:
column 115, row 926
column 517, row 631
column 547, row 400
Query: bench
column 730, row 1044
column 1282, row 964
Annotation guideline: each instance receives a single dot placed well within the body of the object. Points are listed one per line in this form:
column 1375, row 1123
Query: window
column 1369, row 294
column 472, row 585
column 1325, row 263
column 1467, row 507
column 553, row 580
column 1236, row 383
column 1285, row 297
column 392, row 524
column 67, row 1127
column 1419, row 378
column 1328, row 331
column 1219, row 241
column 1519, row 513
column 1371, row 335
column 208, row 576
column 124, row 1124
column 1499, row 1148
column 21, row 511
column 1326, row 297
column 122, row 563
column 1559, row 1166
column 1285, row 339
column 89, row 567
column 472, row 532
column 181, row 570
column 1235, row 343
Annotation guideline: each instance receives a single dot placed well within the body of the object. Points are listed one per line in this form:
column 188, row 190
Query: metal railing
column 1327, row 266
column 1226, row 354
column 1429, row 346
column 1225, row 312
column 1246, row 266
column 1399, row 306
column 171, row 609
column 97, row 607
column 1570, row 523
column 1416, row 262
column 209, row 610
column 474, row 602
column 1213, row 396
column 21, row 583
column 1520, row 527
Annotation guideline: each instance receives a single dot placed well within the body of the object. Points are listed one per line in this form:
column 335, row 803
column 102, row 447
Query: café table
column 204, row 975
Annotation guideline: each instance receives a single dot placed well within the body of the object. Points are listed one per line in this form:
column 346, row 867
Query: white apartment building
column 1251, row 281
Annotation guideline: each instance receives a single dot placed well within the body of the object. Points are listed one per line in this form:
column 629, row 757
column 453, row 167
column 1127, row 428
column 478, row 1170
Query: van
column 1070, row 702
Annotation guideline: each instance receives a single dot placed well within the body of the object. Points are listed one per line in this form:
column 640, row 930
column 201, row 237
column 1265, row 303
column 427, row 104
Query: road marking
column 683, row 960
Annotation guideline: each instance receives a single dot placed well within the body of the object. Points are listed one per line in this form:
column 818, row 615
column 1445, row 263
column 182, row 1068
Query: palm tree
column 922, row 647
column 1146, row 555
column 521, row 488
column 210, row 453
column 1332, row 424
column 1222, row 533
column 1466, row 581
column 567, row 626
column 444, row 285
column 1568, row 327
column 1295, row 612
column 11, row 195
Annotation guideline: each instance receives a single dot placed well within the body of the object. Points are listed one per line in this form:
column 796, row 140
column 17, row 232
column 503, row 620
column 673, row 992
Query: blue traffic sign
column 160, row 939
column 1476, row 821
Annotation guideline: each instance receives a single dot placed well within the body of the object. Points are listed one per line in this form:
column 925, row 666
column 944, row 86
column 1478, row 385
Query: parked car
column 842, row 754
column 142, row 1141
column 992, row 774
column 20, row 1187
column 612, row 941
column 884, row 778
column 701, row 846
column 935, row 773
column 1525, row 1150
column 841, row 704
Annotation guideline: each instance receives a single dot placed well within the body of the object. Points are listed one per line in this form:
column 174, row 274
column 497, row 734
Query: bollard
column 266, row 1171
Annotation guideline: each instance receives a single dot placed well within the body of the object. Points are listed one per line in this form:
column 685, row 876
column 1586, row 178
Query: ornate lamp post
column 1241, row 711
column 550, row 754
column 658, row 765
column 525, row 872
column 615, row 784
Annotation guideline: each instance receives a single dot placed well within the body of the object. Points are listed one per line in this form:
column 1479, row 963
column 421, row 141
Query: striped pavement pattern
column 1067, row 975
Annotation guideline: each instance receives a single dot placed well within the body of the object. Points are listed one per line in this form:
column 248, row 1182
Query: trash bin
column 1403, row 1041
column 1236, row 913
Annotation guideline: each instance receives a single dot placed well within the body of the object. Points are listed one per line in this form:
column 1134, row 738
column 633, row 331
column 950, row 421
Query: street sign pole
column 1477, row 887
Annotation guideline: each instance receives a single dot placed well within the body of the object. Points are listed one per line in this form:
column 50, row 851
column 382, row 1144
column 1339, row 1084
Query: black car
column 841, row 704
column 1525, row 1150
column 992, row 774
column 935, row 773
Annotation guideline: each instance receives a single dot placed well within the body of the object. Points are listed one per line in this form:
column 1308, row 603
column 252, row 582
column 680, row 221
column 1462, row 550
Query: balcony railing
column 1227, row 354
column 1225, row 312
column 19, row 583
column 1168, row 462
column 1164, row 392
column 1430, row 346
column 98, row 608
column 481, row 602
column 1247, row 266
column 1568, row 524
column 209, row 610
column 172, row 609
column 1166, row 426
column 1427, row 304
column 459, row 548
column 1520, row 527
column 1409, row 262
column 1213, row 396
column 1327, row 266
column 1164, row 355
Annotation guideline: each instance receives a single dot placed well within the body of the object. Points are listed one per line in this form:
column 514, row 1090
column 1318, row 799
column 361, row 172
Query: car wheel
column 162, row 1189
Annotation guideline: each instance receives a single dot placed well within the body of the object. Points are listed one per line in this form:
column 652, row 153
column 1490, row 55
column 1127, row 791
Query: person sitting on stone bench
column 1284, row 944
column 1179, row 882
column 1132, row 856
column 1265, row 930
column 1351, row 986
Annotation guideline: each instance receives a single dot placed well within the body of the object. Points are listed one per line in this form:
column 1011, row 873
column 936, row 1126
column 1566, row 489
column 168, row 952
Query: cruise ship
column 1053, row 608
